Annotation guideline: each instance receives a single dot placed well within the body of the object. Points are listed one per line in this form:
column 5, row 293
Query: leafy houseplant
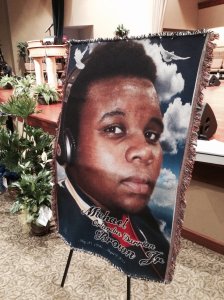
column 30, row 155
column 24, row 85
column 45, row 94
column 35, row 183
column 34, row 196
column 19, row 106
column 9, row 149
column 22, row 50
column 25, row 62
column 7, row 82
column 12, row 141
column 9, row 155
column 121, row 32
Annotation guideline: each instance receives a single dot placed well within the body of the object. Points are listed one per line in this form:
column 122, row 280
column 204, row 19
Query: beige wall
column 28, row 21
column 181, row 14
column 106, row 15
column 211, row 17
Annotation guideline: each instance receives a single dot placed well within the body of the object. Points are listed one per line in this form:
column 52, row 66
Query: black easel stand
column 66, row 272
column 128, row 288
column 66, row 267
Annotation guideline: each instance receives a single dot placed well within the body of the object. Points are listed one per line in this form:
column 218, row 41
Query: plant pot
column 40, row 230
column 41, row 100
column 8, row 86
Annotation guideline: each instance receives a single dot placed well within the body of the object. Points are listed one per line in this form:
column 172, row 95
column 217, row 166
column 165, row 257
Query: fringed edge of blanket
column 140, row 37
column 54, row 163
column 190, row 151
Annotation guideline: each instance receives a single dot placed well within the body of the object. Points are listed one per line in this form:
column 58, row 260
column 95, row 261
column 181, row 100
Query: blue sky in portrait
column 175, row 86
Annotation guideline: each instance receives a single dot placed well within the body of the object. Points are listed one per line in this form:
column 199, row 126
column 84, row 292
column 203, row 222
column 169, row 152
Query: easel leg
column 66, row 267
column 128, row 288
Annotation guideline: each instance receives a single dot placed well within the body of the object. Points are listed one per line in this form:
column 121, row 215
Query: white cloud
column 176, row 122
column 167, row 179
column 168, row 82
column 164, row 193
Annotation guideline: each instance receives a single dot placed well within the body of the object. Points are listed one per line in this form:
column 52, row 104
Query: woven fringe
column 53, row 194
column 190, row 152
column 54, row 165
column 140, row 37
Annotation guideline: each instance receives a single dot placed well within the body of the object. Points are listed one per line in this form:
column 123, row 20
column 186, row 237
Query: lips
column 138, row 185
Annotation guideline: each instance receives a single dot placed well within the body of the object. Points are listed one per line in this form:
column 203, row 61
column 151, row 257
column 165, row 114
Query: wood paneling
column 210, row 3
column 203, row 240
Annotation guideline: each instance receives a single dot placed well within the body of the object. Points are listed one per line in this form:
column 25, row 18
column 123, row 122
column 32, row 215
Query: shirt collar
column 80, row 202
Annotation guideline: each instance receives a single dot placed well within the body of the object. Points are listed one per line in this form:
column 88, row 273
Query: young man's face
column 118, row 157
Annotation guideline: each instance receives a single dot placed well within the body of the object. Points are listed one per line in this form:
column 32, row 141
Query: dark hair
column 110, row 59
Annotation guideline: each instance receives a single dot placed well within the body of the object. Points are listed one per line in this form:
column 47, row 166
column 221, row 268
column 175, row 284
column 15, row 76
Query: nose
column 139, row 150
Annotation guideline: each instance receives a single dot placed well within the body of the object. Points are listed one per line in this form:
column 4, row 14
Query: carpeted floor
column 32, row 269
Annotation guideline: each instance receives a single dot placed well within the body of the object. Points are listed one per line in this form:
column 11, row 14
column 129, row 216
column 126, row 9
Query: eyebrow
column 112, row 114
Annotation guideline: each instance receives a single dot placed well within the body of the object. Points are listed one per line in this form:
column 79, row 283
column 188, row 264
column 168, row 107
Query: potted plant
column 26, row 63
column 35, row 184
column 12, row 144
column 22, row 50
column 30, row 150
column 9, row 149
column 8, row 155
column 121, row 32
column 45, row 94
column 20, row 107
column 34, row 200
column 24, row 85
column 7, row 82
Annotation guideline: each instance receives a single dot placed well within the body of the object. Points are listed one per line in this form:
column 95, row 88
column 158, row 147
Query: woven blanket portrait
column 126, row 146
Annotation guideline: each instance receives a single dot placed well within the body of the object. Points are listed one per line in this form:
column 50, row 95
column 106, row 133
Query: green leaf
column 15, row 207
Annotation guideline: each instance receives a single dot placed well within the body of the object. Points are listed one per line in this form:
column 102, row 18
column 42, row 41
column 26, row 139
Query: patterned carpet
column 32, row 269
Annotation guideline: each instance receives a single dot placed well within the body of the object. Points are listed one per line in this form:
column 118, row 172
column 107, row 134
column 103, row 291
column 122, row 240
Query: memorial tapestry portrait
column 126, row 146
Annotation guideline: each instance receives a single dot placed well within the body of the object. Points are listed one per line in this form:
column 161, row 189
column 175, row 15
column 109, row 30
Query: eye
column 114, row 129
column 152, row 137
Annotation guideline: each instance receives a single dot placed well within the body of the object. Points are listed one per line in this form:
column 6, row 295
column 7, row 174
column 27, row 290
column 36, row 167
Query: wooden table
column 47, row 119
